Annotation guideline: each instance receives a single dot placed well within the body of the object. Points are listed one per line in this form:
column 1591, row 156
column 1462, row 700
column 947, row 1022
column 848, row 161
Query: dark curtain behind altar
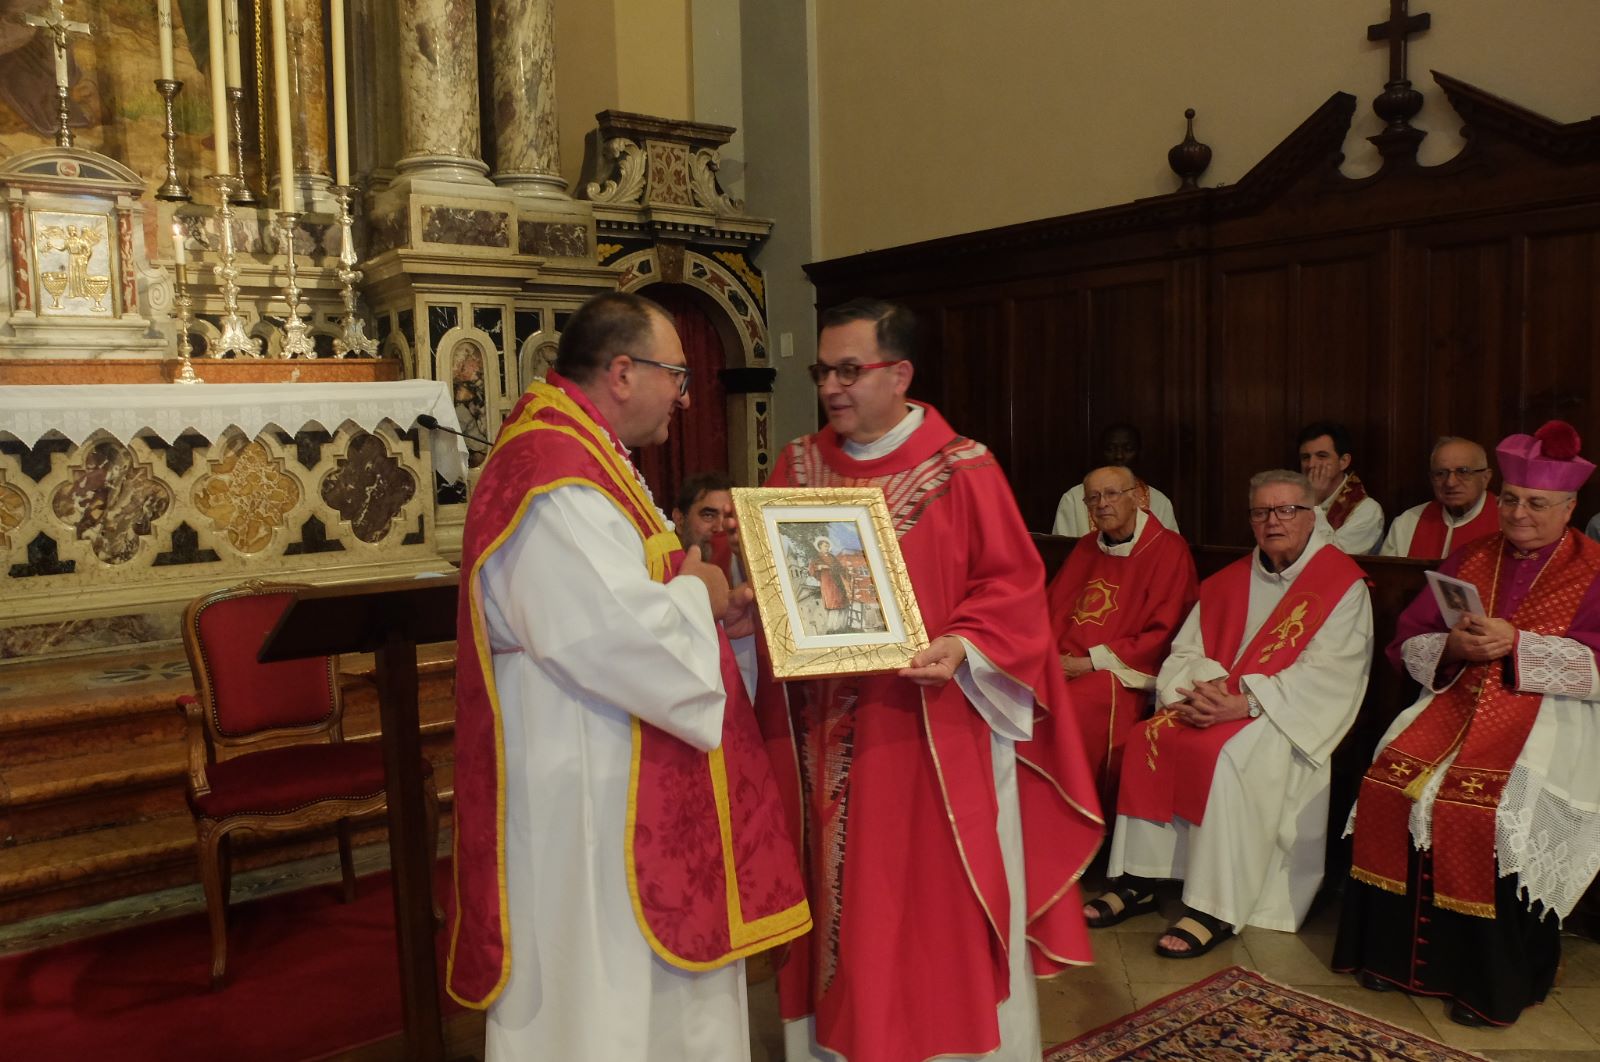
column 698, row 441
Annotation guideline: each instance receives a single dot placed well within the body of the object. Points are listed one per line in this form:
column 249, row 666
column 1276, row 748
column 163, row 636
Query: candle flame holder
column 297, row 341
column 233, row 340
column 352, row 339
column 172, row 189
column 182, row 299
column 244, row 196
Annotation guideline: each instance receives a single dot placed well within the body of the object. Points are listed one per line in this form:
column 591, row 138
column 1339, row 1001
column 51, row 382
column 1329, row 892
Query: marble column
column 439, row 91
column 308, row 86
column 526, row 138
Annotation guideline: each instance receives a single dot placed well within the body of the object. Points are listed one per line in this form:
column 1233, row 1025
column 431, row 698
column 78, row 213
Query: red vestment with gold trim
column 1173, row 777
column 1427, row 541
column 711, row 870
column 1133, row 605
column 891, row 785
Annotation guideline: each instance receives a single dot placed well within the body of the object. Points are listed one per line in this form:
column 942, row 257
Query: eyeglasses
column 683, row 372
column 1110, row 497
column 1441, row 475
column 1285, row 512
column 848, row 373
column 1510, row 503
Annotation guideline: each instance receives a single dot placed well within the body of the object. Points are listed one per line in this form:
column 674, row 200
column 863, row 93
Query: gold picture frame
column 831, row 584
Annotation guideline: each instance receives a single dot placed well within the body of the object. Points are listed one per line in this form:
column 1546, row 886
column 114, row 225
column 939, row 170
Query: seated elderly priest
column 1114, row 608
column 1226, row 786
column 1480, row 816
column 1459, row 513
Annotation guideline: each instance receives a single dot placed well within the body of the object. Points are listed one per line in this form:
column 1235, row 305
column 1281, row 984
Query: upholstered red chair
column 266, row 744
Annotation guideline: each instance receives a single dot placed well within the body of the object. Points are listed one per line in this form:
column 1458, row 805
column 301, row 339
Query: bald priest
column 1114, row 608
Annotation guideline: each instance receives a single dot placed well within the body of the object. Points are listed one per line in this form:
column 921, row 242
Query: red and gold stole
column 1488, row 721
column 712, row 878
column 1174, row 777
column 1427, row 541
column 1352, row 494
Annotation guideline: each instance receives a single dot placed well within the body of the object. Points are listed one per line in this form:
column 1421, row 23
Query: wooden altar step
column 93, row 767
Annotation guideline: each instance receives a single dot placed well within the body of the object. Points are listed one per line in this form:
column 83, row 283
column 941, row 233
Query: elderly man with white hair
column 1226, row 787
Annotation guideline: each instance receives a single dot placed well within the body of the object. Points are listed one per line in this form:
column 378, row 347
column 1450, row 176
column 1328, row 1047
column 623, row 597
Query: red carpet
column 307, row 977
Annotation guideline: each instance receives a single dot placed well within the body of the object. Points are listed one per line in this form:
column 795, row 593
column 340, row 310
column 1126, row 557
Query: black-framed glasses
column 1442, row 475
column 848, row 373
column 683, row 371
column 1285, row 512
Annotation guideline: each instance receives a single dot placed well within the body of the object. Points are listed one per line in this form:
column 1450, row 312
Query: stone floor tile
column 1143, row 964
column 1582, row 1003
column 1068, row 1009
column 1580, row 963
column 1396, row 1008
column 1288, row 959
column 1544, row 1028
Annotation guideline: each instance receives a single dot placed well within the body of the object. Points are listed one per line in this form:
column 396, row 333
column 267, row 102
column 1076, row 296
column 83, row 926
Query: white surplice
column 584, row 639
column 1362, row 530
column 1008, row 709
column 1257, row 859
column 1397, row 543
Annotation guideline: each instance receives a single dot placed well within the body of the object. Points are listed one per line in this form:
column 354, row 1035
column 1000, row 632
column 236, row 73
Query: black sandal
column 1216, row 930
column 1129, row 904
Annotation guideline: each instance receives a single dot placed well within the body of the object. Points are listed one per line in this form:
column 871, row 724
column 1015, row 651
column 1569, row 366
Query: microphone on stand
column 428, row 420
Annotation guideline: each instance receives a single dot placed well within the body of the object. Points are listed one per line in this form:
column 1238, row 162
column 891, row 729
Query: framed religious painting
column 831, row 585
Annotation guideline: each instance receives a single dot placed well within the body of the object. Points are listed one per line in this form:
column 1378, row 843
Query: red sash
column 1169, row 765
column 1488, row 721
column 713, row 877
column 1427, row 541
column 1352, row 494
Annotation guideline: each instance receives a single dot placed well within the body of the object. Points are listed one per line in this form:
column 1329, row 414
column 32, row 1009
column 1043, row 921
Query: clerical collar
column 1292, row 572
column 889, row 441
column 1123, row 549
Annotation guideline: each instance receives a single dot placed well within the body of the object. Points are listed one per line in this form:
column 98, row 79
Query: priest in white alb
column 1226, row 787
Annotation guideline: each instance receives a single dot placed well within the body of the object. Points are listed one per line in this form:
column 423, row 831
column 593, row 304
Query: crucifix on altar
column 1399, row 102
column 55, row 22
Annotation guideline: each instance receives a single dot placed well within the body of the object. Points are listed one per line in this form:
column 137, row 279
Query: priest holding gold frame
column 952, row 777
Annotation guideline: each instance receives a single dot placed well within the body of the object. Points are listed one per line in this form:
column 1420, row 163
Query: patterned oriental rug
column 1238, row 1014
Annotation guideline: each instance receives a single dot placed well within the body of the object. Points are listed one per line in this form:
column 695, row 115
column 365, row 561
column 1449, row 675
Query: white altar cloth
column 77, row 411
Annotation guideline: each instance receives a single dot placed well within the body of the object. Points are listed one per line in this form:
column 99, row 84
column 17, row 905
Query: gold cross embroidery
column 1400, row 769
column 1472, row 785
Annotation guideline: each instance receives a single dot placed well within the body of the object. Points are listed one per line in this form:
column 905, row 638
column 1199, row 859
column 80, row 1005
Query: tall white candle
column 219, row 86
column 231, row 34
column 280, row 95
column 341, row 114
column 164, row 21
column 180, row 254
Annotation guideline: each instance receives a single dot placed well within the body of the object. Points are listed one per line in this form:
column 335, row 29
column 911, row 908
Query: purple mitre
column 1546, row 460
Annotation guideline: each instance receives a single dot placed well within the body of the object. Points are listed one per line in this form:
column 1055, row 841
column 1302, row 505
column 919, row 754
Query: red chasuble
column 1482, row 719
column 891, row 785
column 710, row 866
column 1172, row 773
column 1133, row 606
column 1427, row 541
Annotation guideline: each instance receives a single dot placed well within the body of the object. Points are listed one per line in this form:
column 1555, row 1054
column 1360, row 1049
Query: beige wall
column 630, row 55
column 945, row 116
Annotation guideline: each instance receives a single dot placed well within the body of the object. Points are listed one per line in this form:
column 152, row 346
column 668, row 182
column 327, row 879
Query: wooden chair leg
column 347, row 863
column 208, row 842
column 430, row 798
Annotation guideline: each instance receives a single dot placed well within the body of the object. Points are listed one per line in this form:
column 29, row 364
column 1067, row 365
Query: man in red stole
column 620, row 844
column 1480, row 816
column 944, row 812
column 1354, row 515
column 1459, row 513
column 1114, row 608
column 1226, row 786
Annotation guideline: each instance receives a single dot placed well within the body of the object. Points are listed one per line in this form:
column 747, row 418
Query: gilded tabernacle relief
column 72, row 259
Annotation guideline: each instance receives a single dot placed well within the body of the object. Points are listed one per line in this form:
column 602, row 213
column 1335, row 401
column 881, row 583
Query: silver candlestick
column 244, row 196
column 186, row 373
column 172, row 191
column 296, row 333
column 233, row 339
column 352, row 338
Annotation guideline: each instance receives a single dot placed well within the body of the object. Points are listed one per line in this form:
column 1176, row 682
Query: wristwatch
column 1255, row 705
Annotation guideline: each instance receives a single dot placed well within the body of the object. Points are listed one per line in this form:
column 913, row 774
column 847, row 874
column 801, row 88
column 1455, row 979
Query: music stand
column 389, row 619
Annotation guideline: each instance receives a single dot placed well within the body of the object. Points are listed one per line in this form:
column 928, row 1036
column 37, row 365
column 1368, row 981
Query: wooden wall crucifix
column 1399, row 102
